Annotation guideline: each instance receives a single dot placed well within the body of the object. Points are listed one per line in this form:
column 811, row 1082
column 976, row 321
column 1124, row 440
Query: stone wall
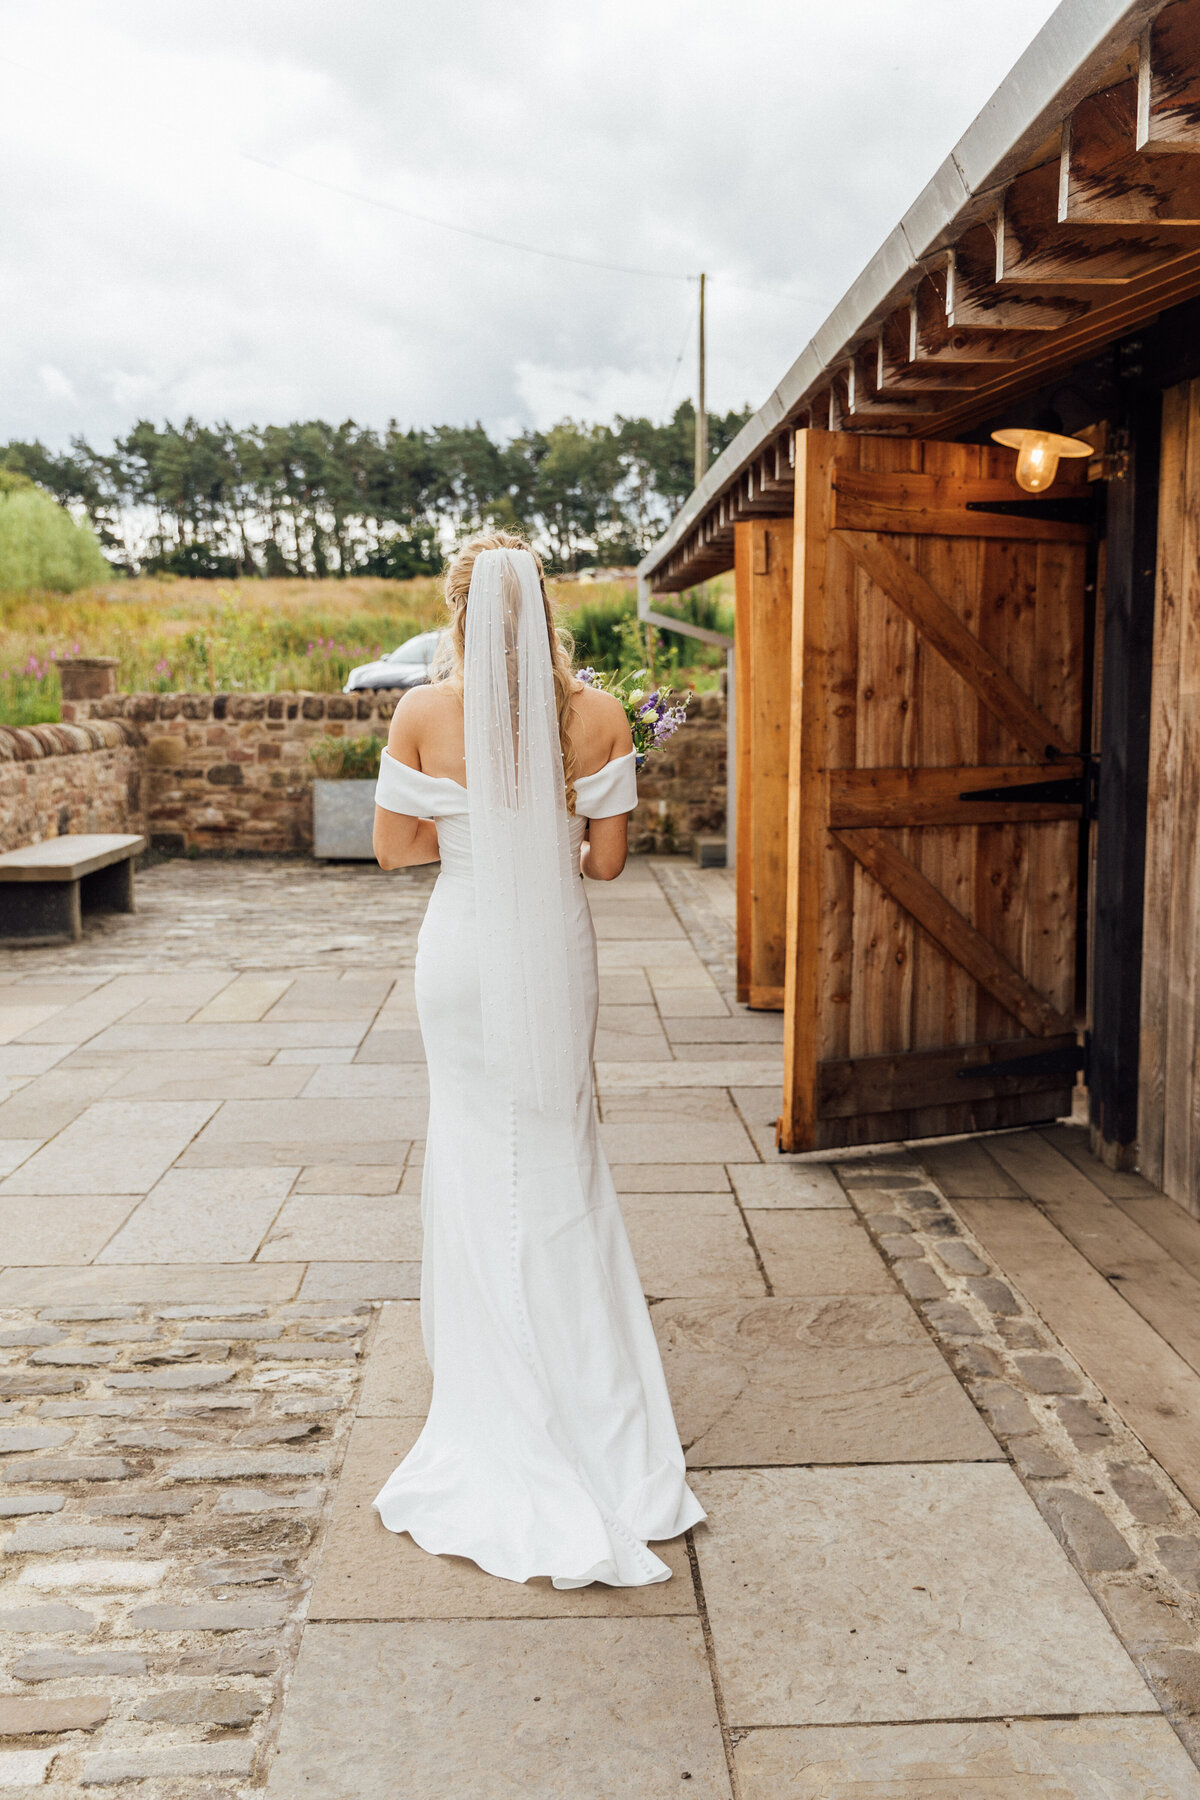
column 232, row 771
column 79, row 777
column 682, row 786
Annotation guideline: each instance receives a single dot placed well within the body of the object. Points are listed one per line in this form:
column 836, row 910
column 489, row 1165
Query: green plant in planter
column 346, row 759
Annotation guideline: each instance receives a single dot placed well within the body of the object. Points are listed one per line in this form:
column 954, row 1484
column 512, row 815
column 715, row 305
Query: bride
column 550, row 1447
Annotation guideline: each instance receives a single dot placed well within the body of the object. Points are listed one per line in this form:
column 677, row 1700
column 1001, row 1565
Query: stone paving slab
column 391, row 1047
column 686, row 1143
column 51, row 1101
column 649, row 958
column 614, row 1077
column 785, row 1381
column 15, row 1151
column 760, row 1185
column 310, row 1121
column 397, row 1383
column 232, row 1039
column 368, row 1081
column 739, row 1028
column 368, row 1572
column 682, row 1249
column 186, row 1078
column 245, row 999
column 63, row 1228
column 590, row 1708
column 668, row 1109
column 1027, row 1759
column 624, row 987
column 389, row 1153
column 115, row 1147
column 839, row 1596
column 817, row 1251
column 114, row 1283
column 361, row 1281
column 670, row 1178
column 346, row 1178
column 347, row 1228
column 690, row 1003
column 200, row 1215
column 29, row 1060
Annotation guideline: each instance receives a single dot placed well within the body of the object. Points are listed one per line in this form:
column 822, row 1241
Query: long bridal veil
column 533, row 1012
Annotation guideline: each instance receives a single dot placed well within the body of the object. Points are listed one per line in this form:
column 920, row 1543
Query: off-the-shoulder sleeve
column 401, row 789
column 611, row 790
column 420, row 796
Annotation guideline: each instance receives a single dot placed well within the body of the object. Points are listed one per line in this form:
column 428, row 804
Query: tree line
column 314, row 499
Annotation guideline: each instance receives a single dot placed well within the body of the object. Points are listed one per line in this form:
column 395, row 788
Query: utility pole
column 701, row 412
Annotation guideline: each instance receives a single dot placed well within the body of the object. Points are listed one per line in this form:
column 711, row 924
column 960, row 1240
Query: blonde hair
column 448, row 664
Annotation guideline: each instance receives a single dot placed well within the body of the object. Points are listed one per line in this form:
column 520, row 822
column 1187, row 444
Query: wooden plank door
column 937, row 667
column 762, row 663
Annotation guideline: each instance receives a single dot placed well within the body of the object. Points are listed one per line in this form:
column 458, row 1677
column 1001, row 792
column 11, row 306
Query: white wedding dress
column 550, row 1448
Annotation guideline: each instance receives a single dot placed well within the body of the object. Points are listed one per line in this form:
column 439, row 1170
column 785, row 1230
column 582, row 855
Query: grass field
column 176, row 635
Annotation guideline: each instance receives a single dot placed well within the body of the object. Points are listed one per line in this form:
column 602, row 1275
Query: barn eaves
column 1067, row 215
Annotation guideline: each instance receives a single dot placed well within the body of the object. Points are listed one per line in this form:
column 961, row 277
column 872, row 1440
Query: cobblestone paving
column 166, row 1476
column 245, row 913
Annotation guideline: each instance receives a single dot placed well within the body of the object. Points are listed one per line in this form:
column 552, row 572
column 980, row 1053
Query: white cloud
column 548, row 393
column 156, row 271
column 56, row 384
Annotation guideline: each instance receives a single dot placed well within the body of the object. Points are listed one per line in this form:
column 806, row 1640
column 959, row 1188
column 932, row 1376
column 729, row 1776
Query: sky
column 151, row 266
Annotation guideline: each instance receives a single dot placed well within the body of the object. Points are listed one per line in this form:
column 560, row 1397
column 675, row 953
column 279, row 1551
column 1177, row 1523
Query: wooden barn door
column 762, row 661
column 937, row 674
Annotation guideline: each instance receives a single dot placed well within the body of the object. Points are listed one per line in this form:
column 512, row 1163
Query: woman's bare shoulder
column 417, row 710
column 604, row 725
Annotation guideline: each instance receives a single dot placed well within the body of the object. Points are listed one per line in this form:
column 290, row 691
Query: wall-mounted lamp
column 1039, row 449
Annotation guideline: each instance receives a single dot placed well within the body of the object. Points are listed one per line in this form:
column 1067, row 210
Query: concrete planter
column 343, row 818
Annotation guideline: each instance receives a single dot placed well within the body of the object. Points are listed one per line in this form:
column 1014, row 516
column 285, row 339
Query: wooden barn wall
column 1169, row 1101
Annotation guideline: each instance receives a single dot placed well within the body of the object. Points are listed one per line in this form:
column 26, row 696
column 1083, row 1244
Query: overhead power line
column 485, row 237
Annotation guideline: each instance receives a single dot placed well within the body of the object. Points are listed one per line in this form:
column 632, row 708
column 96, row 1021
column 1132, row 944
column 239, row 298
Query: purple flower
column 587, row 676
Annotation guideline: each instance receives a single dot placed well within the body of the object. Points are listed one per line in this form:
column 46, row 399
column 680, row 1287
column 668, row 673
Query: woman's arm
column 607, row 844
column 399, row 840
column 605, row 848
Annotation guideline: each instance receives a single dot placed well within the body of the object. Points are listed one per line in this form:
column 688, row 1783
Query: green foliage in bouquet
column 653, row 716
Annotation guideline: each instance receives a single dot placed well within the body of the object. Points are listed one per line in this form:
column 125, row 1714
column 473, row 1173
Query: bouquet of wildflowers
column 653, row 717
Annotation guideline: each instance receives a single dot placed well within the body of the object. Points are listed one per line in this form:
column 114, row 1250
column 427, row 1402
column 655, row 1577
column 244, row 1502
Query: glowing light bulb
column 1037, row 462
column 1038, row 454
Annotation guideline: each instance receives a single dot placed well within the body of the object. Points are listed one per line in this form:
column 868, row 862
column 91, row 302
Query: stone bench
column 46, row 888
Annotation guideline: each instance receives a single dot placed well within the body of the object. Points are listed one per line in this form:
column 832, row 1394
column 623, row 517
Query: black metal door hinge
column 1075, row 510
column 1070, row 790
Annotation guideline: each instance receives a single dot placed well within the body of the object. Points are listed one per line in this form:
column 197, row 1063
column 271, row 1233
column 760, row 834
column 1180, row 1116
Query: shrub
column 41, row 546
column 346, row 759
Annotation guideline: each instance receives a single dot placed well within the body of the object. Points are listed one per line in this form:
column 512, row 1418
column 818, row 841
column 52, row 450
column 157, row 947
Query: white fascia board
column 1074, row 46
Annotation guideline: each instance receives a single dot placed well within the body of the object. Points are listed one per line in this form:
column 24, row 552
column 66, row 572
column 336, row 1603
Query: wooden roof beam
column 1168, row 99
column 1031, row 245
column 975, row 299
column 1102, row 179
column 932, row 339
column 899, row 371
column 867, row 408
